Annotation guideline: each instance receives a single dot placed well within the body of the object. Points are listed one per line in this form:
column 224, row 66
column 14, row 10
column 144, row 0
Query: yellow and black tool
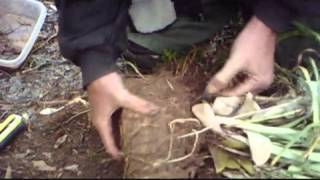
column 9, row 128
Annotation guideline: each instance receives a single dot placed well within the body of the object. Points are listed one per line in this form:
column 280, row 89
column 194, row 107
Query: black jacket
column 93, row 32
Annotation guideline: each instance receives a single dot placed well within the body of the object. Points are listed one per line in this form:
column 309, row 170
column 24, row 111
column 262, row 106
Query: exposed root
column 170, row 85
column 188, row 155
column 196, row 133
column 171, row 126
column 135, row 69
column 76, row 115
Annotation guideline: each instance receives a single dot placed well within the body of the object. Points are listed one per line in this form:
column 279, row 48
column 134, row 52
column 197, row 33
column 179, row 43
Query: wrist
column 104, row 81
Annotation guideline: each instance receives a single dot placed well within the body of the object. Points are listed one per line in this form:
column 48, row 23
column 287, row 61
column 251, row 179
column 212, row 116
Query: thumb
column 221, row 80
column 248, row 86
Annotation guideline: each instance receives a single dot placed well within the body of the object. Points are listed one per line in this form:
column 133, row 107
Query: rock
column 23, row 155
column 42, row 166
column 47, row 155
column 73, row 168
column 60, row 141
column 8, row 174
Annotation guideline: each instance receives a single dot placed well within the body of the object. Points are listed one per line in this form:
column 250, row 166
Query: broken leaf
column 247, row 165
column 42, row 166
column 60, row 141
column 234, row 144
column 260, row 147
column 205, row 114
column 222, row 159
column 49, row 111
column 249, row 105
column 225, row 106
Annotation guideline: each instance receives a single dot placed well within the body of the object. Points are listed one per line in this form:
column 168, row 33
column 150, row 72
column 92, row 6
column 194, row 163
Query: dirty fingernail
column 207, row 96
column 214, row 86
column 118, row 155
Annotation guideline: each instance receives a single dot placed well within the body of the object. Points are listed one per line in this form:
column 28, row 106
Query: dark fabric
column 288, row 50
column 192, row 8
column 279, row 14
column 93, row 34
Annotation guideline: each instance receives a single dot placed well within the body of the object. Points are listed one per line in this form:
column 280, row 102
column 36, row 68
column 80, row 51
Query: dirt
column 147, row 138
column 82, row 148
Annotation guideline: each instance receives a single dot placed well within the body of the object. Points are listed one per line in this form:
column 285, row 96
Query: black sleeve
column 279, row 14
column 92, row 34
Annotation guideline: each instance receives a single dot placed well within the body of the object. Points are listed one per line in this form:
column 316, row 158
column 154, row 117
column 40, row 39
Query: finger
column 139, row 105
column 222, row 78
column 104, row 129
column 249, row 85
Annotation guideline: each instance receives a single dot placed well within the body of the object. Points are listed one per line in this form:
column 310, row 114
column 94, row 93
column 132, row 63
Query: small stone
column 73, row 168
column 42, row 166
column 47, row 155
column 23, row 155
column 60, row 141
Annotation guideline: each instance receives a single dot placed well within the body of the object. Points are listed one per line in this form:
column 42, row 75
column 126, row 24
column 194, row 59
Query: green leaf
column 295, row 155
column 234, row 144
column 277, row 131
column 307, row 31
column 314, row 87
column 313, row 167
column 303, row 133
column 315, row 68
column 247, row 165
column 294, row 168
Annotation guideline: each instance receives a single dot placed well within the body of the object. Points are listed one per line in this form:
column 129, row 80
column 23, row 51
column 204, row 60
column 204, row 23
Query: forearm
column 93, row 34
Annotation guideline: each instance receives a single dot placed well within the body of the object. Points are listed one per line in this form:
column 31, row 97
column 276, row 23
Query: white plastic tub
column 32, row 9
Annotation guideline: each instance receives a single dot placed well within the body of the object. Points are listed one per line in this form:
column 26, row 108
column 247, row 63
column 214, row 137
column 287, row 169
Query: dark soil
column 81, row 148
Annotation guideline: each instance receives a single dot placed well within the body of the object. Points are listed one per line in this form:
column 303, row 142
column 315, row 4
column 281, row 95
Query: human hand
column 106, row 95
column 252, row 54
